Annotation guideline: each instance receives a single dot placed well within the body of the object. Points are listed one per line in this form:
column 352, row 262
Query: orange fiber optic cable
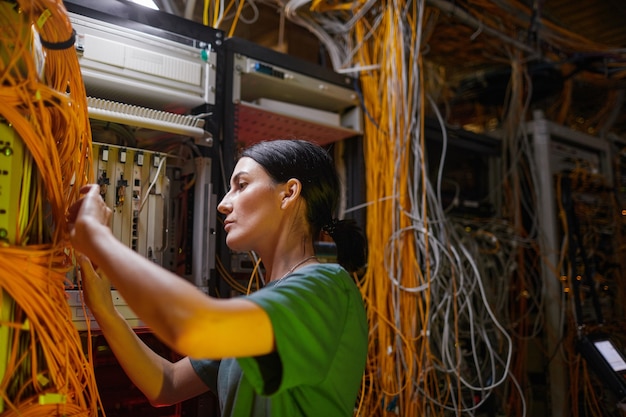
column 43, row 101
column 423, row 291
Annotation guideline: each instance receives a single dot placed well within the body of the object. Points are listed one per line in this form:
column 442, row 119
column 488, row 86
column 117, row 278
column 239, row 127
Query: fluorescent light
column 147, row 3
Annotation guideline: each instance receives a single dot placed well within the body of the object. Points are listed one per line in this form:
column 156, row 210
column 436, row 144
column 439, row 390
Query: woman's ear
column 291, row 191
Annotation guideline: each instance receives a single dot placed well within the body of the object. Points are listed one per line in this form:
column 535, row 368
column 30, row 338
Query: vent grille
column 111, row 111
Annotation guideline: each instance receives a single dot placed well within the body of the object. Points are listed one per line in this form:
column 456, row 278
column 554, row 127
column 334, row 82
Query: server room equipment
column 154, row 102
column 560, row 151
column 153, row 89
column 272, row 95
column 470, row 172
column 144, row 67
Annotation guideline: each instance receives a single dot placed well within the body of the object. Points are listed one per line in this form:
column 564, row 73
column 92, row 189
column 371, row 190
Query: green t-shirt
column 320, row 329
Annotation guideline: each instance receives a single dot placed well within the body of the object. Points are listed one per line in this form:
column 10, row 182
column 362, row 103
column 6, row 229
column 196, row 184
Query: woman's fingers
column 88, row 210
column 96, row 288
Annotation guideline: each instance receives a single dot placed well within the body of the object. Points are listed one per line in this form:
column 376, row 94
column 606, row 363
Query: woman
column 294, row 348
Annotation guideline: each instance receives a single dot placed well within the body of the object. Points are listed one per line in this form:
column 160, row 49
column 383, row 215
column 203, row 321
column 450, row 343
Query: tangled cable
column 436, row 345
column 441, row 337
column 43, row 106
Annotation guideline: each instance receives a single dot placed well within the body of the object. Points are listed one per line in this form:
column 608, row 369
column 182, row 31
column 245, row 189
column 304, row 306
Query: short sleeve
column 207, row 370
column 308, row 311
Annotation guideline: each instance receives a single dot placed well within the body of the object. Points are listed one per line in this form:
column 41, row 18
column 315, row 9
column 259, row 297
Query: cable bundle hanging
column 46, row 158
column 436, row 346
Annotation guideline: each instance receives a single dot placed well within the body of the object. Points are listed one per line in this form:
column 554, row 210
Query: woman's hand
column 86, row 216
column 96, row 288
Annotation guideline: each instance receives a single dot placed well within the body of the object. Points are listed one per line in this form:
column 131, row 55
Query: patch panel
column 80, row 312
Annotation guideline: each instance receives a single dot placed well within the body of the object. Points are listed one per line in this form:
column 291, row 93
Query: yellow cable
column 236, row 19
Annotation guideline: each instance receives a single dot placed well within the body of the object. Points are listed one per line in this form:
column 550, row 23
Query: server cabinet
column 271, row 95
column 154, row 91
column 152, row 82
column 581, row 225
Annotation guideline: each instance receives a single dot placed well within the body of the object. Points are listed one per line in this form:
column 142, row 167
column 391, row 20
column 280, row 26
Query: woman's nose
column 224, row 206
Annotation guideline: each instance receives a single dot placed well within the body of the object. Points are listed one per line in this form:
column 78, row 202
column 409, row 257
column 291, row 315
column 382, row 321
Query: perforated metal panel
column 254, row 124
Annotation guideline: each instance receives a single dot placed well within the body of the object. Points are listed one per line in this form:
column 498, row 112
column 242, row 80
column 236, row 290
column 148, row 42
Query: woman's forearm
column 147, row 370
column 179, row 314
column 160, row 298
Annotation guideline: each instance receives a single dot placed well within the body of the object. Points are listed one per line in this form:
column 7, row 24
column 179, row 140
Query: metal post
column 558, row 376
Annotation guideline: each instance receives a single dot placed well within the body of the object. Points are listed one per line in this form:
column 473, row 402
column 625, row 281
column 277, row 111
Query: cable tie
column 52, row 398
column 42, row 380
column 59, row 46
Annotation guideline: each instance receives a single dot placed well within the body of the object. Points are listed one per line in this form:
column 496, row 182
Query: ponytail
column 351, row 244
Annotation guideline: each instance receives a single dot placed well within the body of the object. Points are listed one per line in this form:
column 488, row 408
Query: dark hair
column 312, row 165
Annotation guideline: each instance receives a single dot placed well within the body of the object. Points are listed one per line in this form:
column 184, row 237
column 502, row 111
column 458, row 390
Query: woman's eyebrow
column 236, row 176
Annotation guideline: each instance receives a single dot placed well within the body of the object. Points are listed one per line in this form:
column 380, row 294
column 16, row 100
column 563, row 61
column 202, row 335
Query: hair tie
column 329, row 228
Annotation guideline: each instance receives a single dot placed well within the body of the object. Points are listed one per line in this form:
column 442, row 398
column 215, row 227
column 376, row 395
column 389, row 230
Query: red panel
column 120, row 397
column 253, row 124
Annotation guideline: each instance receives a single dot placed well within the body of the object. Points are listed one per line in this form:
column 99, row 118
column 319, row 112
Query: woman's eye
column 241, row 185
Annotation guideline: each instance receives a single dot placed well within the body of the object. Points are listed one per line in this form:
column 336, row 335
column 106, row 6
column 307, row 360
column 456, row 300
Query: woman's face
column 251, row 207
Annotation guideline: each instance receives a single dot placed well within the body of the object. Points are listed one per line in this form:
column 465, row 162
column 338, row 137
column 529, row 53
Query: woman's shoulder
column 324, row 279
column 323, row 268
column 313, row 276
column 323, row 271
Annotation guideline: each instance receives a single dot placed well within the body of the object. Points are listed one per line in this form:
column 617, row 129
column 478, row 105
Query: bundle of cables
column 437, row 345
column 46, row 158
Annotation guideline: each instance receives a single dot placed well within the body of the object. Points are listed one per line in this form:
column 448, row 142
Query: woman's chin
column 234, row 245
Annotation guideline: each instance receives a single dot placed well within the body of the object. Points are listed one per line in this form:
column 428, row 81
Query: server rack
column 141, row 57
column 559, row 150
column 271, row 95
column 471, row 162
column 156, row 74
column 154, row 90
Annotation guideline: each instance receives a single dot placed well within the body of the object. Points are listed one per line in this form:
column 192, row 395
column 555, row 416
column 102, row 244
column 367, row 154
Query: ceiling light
column 147, row 3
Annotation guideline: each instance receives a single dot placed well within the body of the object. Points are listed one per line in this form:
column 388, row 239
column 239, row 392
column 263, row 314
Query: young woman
column 297, row 347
